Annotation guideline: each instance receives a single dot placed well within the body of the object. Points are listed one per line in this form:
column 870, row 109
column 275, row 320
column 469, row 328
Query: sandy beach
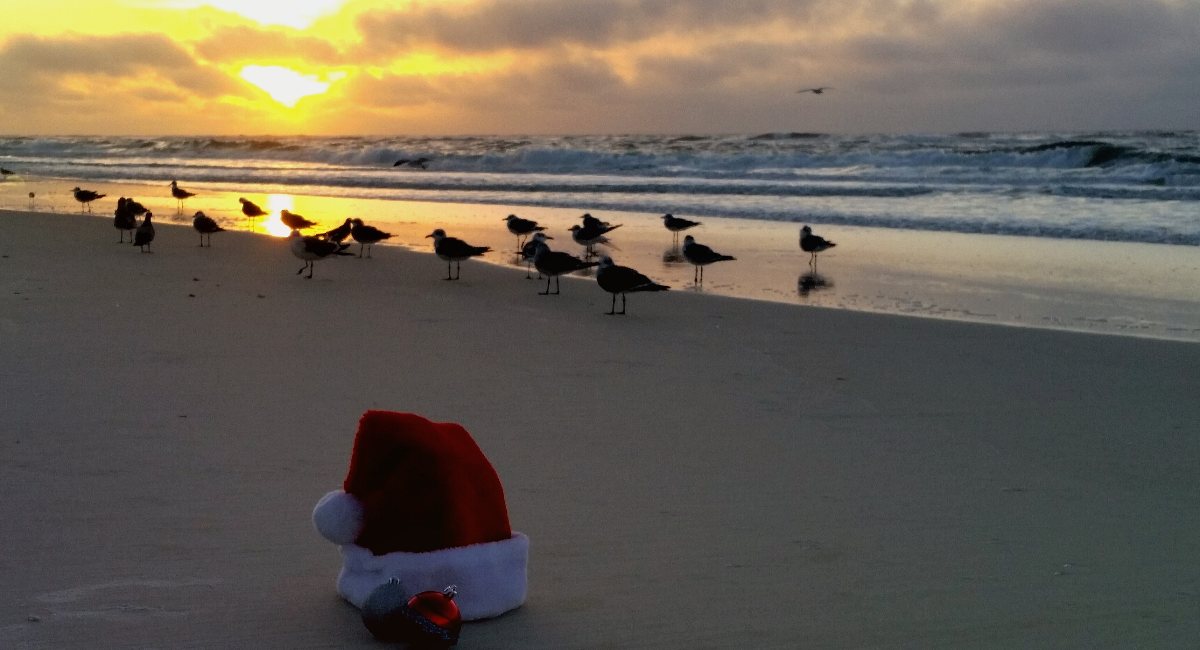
column 705, row 472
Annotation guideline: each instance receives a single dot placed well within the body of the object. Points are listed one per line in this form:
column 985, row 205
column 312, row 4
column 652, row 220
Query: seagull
column 145, row 233
column 85, row 197
column 530, row 249
column 205, row 225
column 180, row 194
column 820, row 90
column 522, row 227
column 554, row 263
column 591, row 233
column 415, row 162
column 6, row 172
column 454, row 250
column 295, row 221
column 311, row 249
column 622, row 279
column 676, row 224
column 32, row 200
column 124, row 219
column 700, row 256
column 251, row 210
column 340, row 233
column 366, row 235
column 810, row 243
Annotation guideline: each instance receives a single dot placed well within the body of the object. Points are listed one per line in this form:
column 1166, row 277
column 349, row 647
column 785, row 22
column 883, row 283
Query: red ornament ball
column 429, row 619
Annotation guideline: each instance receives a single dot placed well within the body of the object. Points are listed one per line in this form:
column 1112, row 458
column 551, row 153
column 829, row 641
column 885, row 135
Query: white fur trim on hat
column 338, row 516
column 491, row 577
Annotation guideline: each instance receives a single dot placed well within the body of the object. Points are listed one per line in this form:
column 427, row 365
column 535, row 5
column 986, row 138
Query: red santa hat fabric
column 422, row 503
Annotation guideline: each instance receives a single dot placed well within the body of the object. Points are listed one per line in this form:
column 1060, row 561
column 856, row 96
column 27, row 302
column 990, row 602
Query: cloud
column 265, row 46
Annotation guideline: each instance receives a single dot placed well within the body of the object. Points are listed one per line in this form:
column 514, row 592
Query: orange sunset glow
column 325, row 67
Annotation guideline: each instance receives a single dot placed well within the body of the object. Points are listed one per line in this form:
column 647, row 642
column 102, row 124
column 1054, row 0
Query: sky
column 497, row 67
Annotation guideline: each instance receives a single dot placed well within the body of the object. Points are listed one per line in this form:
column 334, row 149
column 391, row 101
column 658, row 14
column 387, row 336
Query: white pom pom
column 338, row 516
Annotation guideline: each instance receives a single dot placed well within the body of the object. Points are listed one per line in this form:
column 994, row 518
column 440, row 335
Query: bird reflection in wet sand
column 673, row 256
column 810, row 282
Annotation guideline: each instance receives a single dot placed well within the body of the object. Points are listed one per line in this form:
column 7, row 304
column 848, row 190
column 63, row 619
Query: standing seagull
column 522, row 228
column 311, row 249
column 295, row 221
column 622, row 279
column 180, row 194
column 677, row 224
column 366, row 236
column 145, row 233
column 454, row 250
column 340, row 233
column 205, row 225
column 124, row 219
column 810, row 243
column 700, row 256
column 554, row 263
column 819, row 90
column 6, row 172
column 530, row 249
column 250, row 209
column 85, row 198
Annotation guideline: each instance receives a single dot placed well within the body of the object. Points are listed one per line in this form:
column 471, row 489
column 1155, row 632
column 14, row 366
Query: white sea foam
column 1132, row 186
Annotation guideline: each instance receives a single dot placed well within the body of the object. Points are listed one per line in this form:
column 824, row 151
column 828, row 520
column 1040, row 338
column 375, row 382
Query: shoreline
column 1118, row 288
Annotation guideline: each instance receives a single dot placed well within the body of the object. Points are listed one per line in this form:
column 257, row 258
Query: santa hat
column 421, row 503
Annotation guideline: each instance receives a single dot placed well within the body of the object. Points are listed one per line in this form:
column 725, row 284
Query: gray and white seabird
column 145, row 233
column 555, row 263
column 454, row 250
column 700, row 256
column 85, row 198
column 622, row 280
column 340, row 233
column 522, row 228
column 250, row 209
column 295, row 221
column 366, row 236
column 591, row 233
column 205, row 225
column 124, row 219
column 810, row 243
column 180, row 194
column 311, row 249
column 530, row 249
column 677, row 224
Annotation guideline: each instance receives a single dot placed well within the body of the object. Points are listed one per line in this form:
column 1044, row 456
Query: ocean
column 1133, row 187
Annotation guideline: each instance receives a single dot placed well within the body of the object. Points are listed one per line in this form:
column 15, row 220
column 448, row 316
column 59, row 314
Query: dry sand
column 702, row 473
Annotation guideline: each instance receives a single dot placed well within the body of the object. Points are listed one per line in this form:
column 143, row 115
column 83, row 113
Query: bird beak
column 428, row 236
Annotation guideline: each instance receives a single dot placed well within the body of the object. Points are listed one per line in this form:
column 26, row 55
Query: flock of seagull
column 531, row 243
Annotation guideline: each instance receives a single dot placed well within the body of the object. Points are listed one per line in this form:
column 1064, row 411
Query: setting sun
column 285, row 85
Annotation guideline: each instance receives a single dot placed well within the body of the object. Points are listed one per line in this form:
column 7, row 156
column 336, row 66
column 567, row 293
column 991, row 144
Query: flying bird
column 700, row 256
column 366, row 236
column 454, row 250
column 340, row 233
column 145, row 233
column 250, row 209
column 295, row 221
column 85, row 198
column 810, row 243
column 311, row 249
column 677, row 224
column 622, row 279
column 819, row 90
column 205, row 225
column 554, row 263
column 415, row 162
column 180, row 194
column 522, row 228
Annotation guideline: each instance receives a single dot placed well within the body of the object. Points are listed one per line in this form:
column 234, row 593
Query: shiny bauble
column 381, row 612
column 435, row 619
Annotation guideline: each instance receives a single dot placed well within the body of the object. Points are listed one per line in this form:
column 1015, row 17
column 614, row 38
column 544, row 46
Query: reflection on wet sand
column 673, row 256
column 810, row 282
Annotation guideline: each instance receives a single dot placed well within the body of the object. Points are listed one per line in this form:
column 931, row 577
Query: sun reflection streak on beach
column 276, row 203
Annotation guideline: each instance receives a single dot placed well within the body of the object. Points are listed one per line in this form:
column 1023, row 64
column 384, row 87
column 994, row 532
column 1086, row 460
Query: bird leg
column 302, row 268
column 613, row 309
column 547, row 291
column 622, row 304
column 557, row 288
